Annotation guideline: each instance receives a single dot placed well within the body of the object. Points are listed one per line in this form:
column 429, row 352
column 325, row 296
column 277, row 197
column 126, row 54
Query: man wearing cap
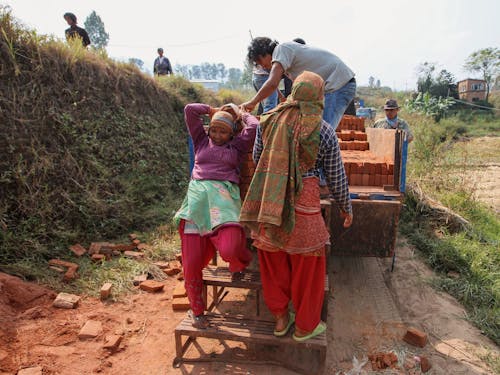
column 162, row 65
column 391, row 120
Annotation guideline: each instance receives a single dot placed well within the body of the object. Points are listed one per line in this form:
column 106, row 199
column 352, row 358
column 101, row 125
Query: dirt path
column 368, row 312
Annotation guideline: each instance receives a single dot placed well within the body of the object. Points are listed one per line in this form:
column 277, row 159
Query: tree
column 138, row 62
column 487, row 62
column 425, row 72
column 95, row 28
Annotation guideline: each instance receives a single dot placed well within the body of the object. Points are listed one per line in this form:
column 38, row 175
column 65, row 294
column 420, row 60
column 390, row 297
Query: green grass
column 120, row 271
column 440, row 162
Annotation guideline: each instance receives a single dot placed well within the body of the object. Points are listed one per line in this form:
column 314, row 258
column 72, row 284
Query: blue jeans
column 336, row 103
column 272, row 100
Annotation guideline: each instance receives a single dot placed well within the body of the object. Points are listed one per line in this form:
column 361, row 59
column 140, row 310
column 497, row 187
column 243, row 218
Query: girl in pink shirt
column 208, row 217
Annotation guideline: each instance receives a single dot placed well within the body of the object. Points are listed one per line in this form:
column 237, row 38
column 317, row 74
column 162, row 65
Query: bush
column 90, row 148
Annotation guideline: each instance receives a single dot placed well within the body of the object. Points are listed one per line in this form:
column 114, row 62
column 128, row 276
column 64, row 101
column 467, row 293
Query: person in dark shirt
column 162, row 64
column 75, row 31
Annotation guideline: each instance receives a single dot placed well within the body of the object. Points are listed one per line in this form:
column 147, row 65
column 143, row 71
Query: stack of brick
column 351, row 123
column 361, row 166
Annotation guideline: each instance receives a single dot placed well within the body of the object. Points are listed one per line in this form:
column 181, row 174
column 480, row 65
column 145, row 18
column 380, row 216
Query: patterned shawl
column 290, row 135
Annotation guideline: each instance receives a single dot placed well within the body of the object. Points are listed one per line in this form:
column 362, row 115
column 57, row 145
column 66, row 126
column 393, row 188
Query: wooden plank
column 237, row 328
column 220, row 276
column 382, row 142
column 373, row 231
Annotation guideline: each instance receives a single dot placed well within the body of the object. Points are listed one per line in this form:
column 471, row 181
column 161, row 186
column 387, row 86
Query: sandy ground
column 370, row 308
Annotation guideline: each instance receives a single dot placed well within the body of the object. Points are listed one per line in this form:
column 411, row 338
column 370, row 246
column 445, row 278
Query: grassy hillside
column 90, row 148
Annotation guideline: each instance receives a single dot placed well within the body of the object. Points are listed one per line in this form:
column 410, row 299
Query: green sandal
column 320, row 328
column 291, row 320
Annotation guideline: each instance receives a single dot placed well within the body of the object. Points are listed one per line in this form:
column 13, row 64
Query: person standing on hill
column 75, row 31
column 293, row 58
column 392, row 121
column 162, row 65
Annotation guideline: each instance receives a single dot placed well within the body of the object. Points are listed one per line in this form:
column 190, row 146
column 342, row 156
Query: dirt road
column 369, row 311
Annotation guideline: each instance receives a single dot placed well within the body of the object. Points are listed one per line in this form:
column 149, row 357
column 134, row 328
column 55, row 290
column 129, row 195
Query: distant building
column 472, row 90
column 209, row 84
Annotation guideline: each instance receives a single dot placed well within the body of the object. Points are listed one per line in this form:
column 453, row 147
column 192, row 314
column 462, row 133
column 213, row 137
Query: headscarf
column 290, row 135
column 225, row 120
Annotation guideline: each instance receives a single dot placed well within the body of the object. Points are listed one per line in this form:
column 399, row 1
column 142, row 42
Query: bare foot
column 281, row 322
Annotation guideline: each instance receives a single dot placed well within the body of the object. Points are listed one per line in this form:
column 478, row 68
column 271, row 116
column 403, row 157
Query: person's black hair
column 71, row 16
column 299, row 40
column 260, row 46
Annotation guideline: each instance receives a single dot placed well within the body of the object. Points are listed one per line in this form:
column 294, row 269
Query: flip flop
column 320, row 328
column 283, row 332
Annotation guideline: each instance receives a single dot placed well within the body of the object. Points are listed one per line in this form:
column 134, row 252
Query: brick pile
column 362, row 167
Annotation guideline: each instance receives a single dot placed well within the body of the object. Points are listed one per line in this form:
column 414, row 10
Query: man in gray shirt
column 392, row 121
column 291, row 59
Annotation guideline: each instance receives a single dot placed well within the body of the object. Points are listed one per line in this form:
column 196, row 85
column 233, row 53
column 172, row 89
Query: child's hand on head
column 233, row 110
column 212, row 111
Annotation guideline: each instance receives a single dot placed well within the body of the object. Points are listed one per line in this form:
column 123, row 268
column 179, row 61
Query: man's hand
column 247, row 106
column 347, row 218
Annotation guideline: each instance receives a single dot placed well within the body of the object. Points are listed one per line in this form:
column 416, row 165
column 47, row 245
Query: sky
column 379, row 38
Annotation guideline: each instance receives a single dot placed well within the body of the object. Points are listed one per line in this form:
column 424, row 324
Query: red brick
column 112, row 342
column 384, row 180
column 378, row 180
column 356, row 179
column 95, row 247
column 383, row 169
column 371, row 180
column 62, row 263
column 90, row 330
column 139, row 279
column 106, row 291
column 390, row 179
column 151, row 286
column 66, row 301
column 78, row 249
column 390, row 168
column 179, row 291
column 143, row 246
column 425, row 365
column 98, row 257
column 367, row 167
column 171, row 271
column 133, row 254
column 415, row 337
column 162, row 265
column 180, row 304
column 70, row 274
column 365, row 180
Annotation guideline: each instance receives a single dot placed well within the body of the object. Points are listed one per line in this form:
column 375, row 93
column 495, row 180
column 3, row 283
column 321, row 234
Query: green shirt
column 402, row 124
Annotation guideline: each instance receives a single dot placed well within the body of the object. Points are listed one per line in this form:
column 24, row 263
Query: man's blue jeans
column 272, row 100
column 336, row 103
